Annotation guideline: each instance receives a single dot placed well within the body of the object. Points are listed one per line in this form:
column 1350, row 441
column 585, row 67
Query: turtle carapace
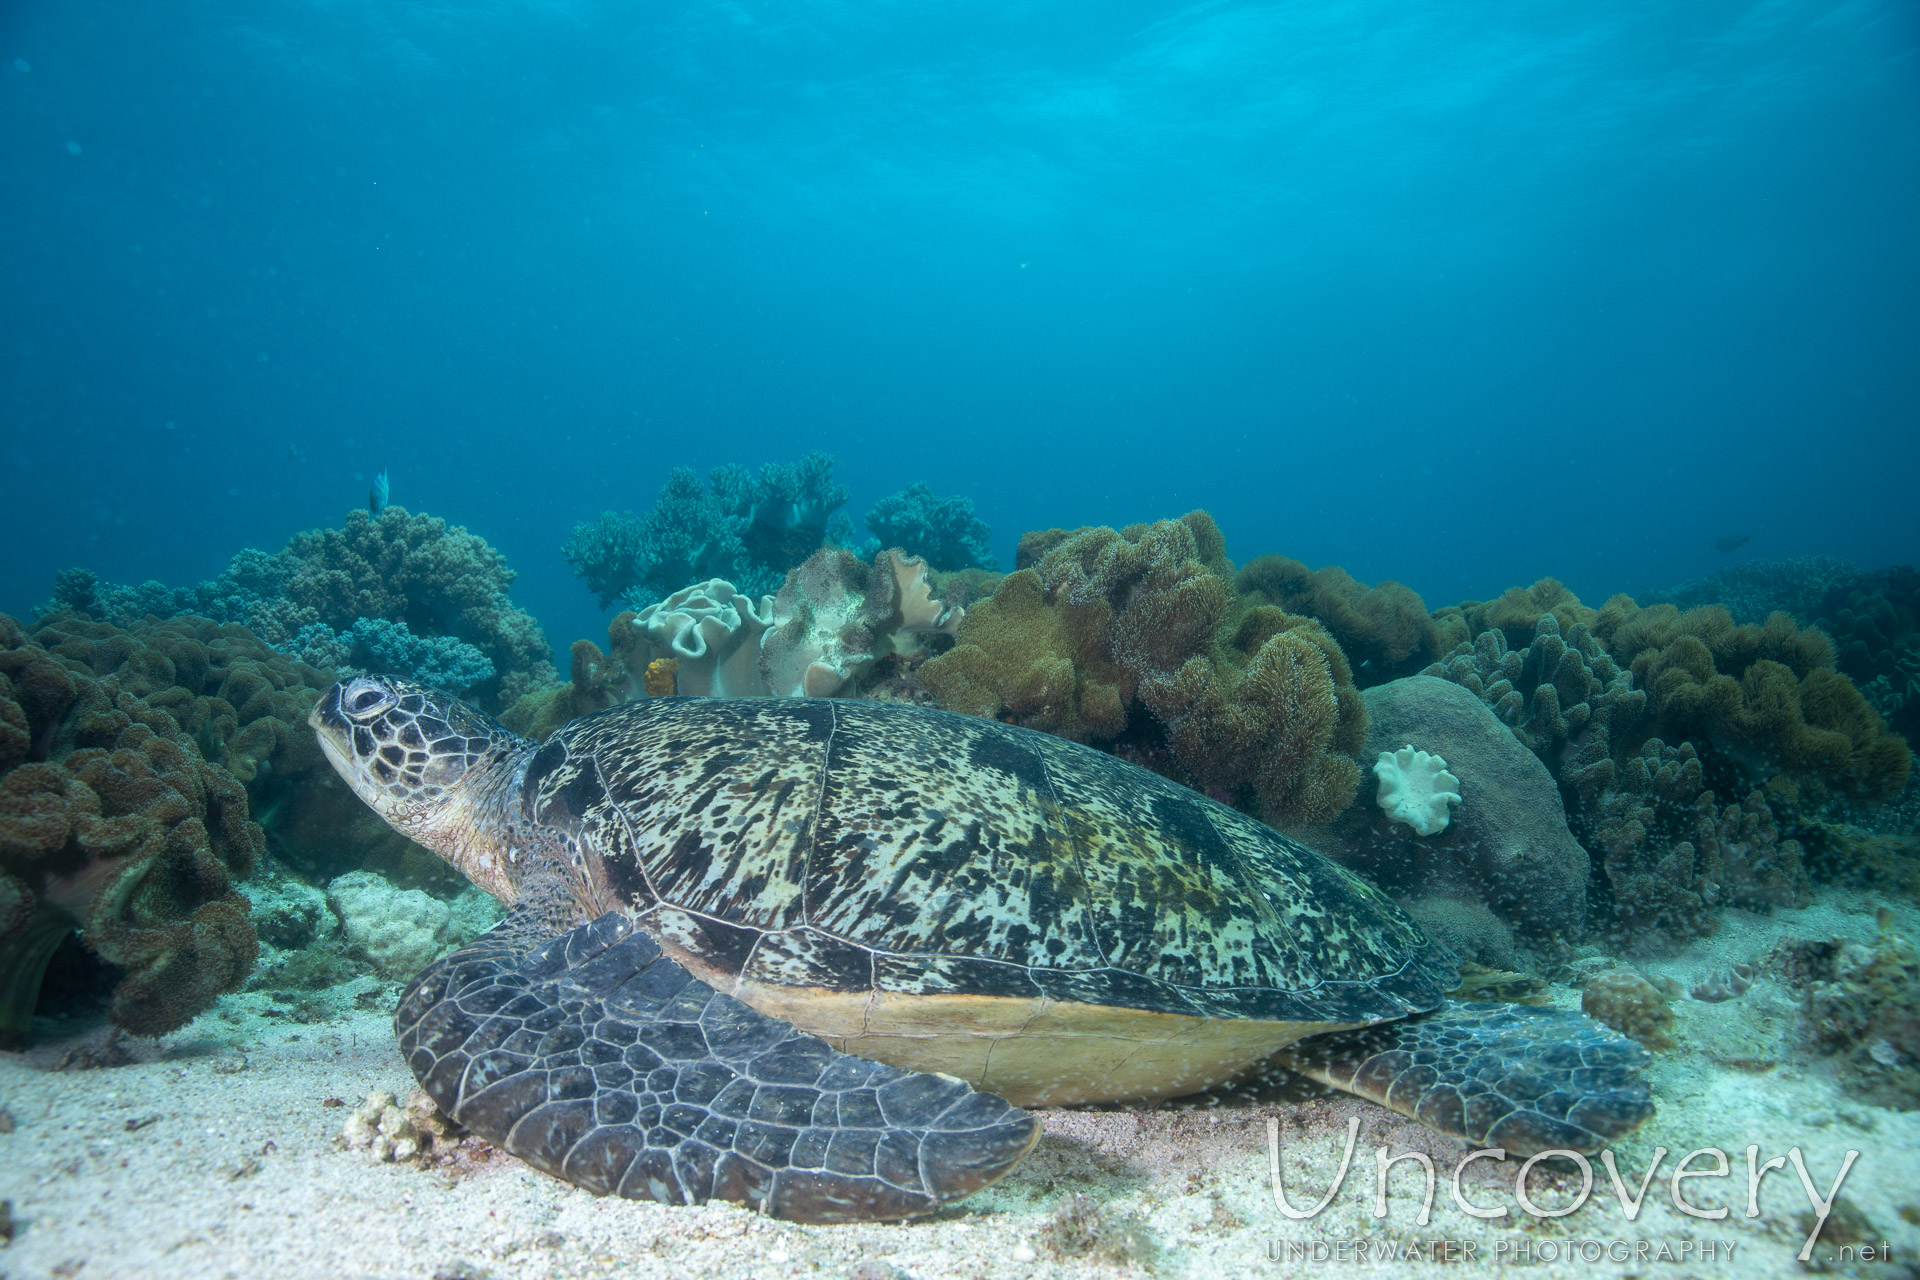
column 814, row 955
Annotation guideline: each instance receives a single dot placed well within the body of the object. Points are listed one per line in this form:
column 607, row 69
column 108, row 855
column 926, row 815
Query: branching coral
column 376, row 644
column 1385, row 630
column 744, row 528
column 943, row 531
column 112, row 822
column 434, row 587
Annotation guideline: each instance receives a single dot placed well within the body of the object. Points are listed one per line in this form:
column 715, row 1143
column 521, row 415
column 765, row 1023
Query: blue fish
column 377, row 493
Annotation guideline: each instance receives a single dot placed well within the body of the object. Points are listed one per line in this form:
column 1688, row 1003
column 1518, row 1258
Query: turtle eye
column 363, row 699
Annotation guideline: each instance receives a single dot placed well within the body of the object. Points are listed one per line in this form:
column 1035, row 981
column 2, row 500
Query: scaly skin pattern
column 594, row 1057
column 1512, row 1076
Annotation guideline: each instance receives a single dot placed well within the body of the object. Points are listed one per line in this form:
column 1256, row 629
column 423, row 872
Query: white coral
column 1415, row 788
column 834, row 618
column 714, row 631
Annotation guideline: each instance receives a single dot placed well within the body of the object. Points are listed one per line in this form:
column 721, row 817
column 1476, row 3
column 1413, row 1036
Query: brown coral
column 1630, row 1005
column 1271, row 718
column 1517, row 611
column 1257, row 704
column 1766, row 694
column 114, row 823
column 1034, row 662
column 1672, row 856
column 1385, row 630
column 1563, row 696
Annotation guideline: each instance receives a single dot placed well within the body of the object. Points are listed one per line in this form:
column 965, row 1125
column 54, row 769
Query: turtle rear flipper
column 595, row 1057
column 1517, row 1077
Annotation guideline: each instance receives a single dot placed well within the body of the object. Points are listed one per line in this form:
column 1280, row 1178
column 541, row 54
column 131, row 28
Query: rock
column 1507, row 846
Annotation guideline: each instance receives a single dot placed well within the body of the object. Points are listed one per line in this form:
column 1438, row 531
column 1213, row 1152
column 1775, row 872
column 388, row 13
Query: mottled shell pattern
column 846, row 846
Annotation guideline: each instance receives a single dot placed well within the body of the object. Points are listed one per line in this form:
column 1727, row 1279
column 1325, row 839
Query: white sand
column 185, row 1166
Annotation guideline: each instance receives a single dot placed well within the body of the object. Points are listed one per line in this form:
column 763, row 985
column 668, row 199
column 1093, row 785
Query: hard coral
column 428, row 584
column 1506, row 854
column 944, row 531
column 1385, row 630
column 748, row 530
column 112, row 822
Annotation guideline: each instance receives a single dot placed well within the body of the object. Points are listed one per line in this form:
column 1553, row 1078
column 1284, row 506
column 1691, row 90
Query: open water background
column 1460, row 294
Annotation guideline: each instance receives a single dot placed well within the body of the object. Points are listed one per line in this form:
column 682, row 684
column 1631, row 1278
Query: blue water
column 1461, row 294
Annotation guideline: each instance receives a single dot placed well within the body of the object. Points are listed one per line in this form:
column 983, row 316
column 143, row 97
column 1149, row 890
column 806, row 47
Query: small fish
column 377, row 493
column 1732, row 542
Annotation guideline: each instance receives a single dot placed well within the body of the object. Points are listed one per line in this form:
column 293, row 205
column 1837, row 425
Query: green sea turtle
column 813, row 955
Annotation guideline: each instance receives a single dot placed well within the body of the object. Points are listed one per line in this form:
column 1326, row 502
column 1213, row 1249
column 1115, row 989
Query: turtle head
column 438, row 770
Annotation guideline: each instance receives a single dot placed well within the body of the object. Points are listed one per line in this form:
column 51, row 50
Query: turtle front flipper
column 596, row 1058
column 1516, row 1077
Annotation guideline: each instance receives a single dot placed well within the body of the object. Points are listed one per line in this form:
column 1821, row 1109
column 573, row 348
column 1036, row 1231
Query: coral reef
column 713, row 633
column 1507, row 855
column 1274, row 727
column 244, row 707
column 425, row 580
column 1767, row 696
column 942, row 531
column 1861, row 1007
column 1416, row 790
column 1671, row 856
column 1516, row 613
column 748, row 530
column 1631, row 1005
column 378, row 644
column 1563, row 696
column 1752, row 591
column 835, row 616
column 113, row 823
column 1385, row 630
column 1033, row 661
column 1257, row 706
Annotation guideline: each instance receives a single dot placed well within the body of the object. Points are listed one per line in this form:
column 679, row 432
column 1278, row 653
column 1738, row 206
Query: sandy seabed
column 216, row 1153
